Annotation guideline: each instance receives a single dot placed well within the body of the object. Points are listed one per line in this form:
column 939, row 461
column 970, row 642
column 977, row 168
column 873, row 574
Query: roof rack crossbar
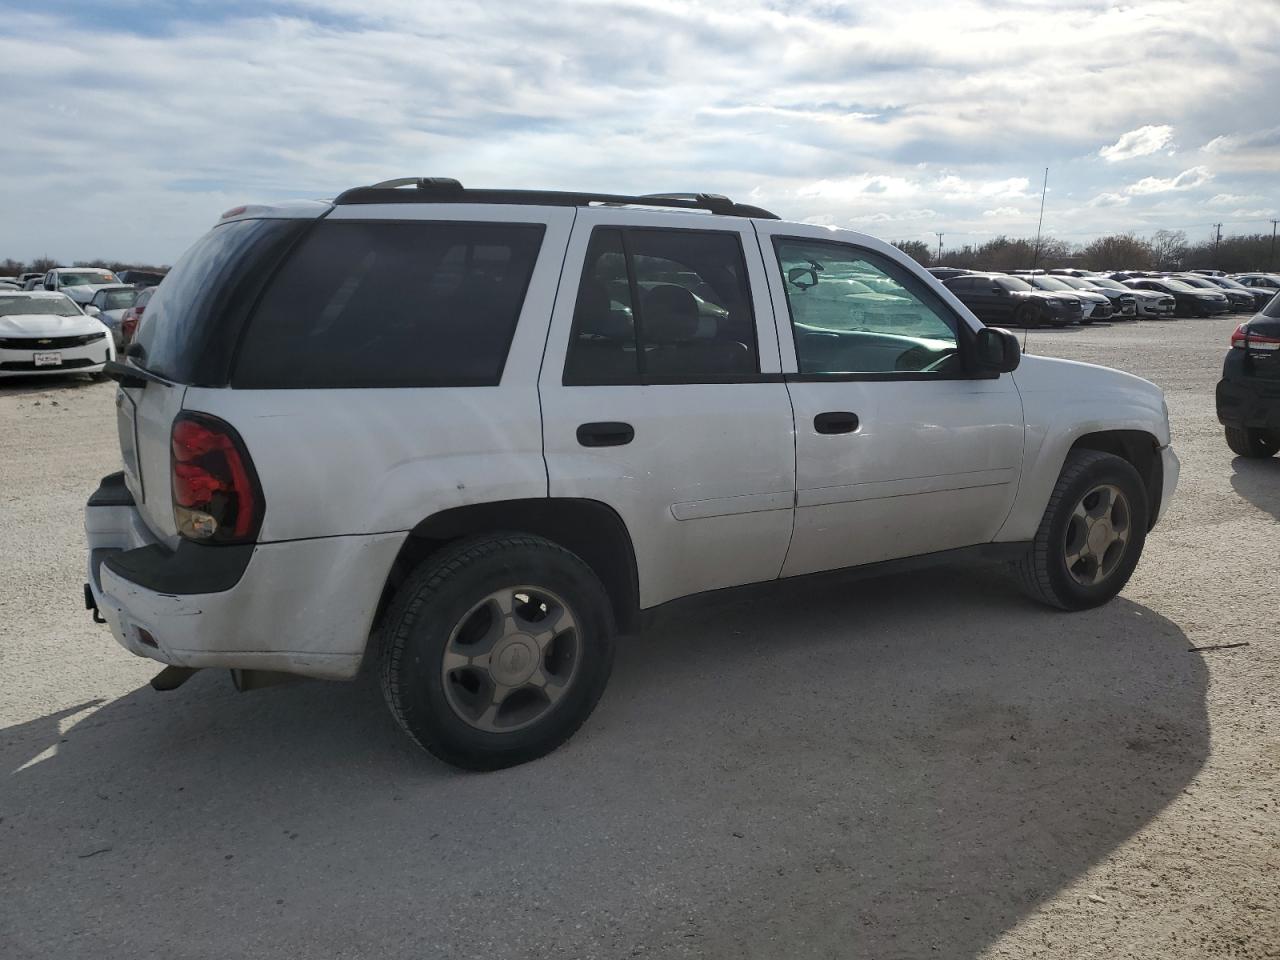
column 445, row 190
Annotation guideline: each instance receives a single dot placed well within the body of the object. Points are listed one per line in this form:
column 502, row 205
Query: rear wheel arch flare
column 588, row 528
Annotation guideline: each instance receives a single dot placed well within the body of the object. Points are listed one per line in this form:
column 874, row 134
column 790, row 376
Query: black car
column 998, row 299
column 1189, row 301
column 1240, row 300
column 1096, row 306
column 1261, row 295
column 140, row 278
column 1249, row 392
column 1266, row 282
column 946, row 273
column 1124, row 302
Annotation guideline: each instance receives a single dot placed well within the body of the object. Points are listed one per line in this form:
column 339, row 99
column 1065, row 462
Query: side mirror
column 997, row 351
column 92, row 311
column 802, row 277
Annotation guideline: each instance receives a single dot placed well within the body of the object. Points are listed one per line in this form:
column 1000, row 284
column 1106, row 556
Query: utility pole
column 1217, row 237
column 1272, row 255
column 939, row 245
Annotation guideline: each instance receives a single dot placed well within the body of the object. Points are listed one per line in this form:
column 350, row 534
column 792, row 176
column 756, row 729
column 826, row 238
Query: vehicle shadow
column 22, row 386
column 1258, row 481
column 901, row 767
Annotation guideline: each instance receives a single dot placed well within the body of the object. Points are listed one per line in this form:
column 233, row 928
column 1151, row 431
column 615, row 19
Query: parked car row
column 1032, row 298
column 46, row 332
column 117, row 300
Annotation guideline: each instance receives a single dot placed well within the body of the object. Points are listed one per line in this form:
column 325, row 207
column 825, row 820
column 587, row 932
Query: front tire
column 496, row 650
column 1091, row 536
column 1256, row 444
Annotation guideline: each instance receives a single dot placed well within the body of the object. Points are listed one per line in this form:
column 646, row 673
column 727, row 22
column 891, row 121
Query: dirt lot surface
column 921, row 766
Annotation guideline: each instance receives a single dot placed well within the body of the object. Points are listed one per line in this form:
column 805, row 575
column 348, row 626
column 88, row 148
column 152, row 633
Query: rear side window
column 391, row 304
column 662, row 306
column 190, row 326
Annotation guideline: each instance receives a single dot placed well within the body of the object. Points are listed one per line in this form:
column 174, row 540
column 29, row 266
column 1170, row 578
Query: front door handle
column 837, row 421
column 606, row 434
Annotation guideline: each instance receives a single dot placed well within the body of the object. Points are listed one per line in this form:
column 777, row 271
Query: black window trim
column 965, row 334
column 357, row 383
column 642, row 379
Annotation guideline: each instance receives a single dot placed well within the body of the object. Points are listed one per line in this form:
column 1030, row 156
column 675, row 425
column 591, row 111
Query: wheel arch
column 1141, row 450
column 591, row 529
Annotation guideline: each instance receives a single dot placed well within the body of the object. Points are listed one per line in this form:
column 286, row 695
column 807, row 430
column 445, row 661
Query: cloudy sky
column 129, row 126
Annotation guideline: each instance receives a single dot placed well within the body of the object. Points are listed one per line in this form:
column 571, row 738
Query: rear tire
column 1257, row 444
column 1091, row 536
column 496, row 650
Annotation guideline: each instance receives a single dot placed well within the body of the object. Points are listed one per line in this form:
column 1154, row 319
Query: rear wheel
column 1253, row 443
column 1091, row 536
column 497, row 650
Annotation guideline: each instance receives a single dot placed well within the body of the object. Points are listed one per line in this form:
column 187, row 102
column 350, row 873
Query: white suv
column 469, row 435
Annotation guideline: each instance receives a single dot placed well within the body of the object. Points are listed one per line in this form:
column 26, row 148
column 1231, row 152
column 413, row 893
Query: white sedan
column 48, row 333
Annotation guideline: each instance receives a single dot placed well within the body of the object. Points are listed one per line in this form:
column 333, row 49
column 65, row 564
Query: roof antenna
column 1035, row 252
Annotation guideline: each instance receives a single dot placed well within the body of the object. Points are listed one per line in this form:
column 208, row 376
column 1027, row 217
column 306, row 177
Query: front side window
column 391, row 304
column 662, row 306
column 854, row 311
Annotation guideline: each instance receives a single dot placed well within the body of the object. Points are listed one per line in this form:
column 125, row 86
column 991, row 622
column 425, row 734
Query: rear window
column 189, row 329
column 1272, row 309
column 391, row 304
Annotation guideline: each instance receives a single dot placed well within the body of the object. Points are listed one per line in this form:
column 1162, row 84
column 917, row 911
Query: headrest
column 594, row 312
column 670, row 314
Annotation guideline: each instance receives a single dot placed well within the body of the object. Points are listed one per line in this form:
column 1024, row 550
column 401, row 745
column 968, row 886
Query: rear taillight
column 216, row 495
column 129, row 324
column 1243, row 339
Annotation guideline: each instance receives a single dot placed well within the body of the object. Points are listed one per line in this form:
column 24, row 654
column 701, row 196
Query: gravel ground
column 920, row 766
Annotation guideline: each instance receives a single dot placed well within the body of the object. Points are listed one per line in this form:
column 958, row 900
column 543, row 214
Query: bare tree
column 1120, row 251
column 1169, row 248
column 917, row 250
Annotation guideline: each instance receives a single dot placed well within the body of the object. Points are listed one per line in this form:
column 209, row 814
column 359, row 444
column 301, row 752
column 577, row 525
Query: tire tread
column 1033, row 567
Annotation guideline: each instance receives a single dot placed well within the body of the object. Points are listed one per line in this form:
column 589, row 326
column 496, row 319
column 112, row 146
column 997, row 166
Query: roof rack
column 446, row 190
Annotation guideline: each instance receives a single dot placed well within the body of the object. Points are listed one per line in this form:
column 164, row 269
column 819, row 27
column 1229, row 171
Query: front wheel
column 1258, row 444
column 496, row 650
column 1027, row 316
column 1091, row 536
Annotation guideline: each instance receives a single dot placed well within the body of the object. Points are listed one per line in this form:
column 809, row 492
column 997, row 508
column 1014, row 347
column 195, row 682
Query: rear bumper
column 303, row 606
column 1249, row 403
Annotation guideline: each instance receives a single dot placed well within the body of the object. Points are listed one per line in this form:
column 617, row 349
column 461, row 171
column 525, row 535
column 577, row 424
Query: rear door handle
column 606, row 434
column 837, row 421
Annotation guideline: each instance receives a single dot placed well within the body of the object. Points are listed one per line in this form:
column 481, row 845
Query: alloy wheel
column 1097, row 534
column 511, row 658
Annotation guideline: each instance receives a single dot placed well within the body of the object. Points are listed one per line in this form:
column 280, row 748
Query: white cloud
column 1186, row 180
column 1138, row 143
column 1108, row 200
column 904, row 111
column 1004, row 212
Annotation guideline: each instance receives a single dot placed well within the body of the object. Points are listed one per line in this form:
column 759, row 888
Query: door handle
column 837, row 421
column 606, row 434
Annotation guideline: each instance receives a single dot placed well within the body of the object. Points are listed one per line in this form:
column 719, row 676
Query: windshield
column 1052, row 283
column 1013, row 283
column 1198, row 282
column 1228, row 284
column 1178, row 285
column 77, row 278
column 1107, row 283
column 37, row 306
column 115, row 299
